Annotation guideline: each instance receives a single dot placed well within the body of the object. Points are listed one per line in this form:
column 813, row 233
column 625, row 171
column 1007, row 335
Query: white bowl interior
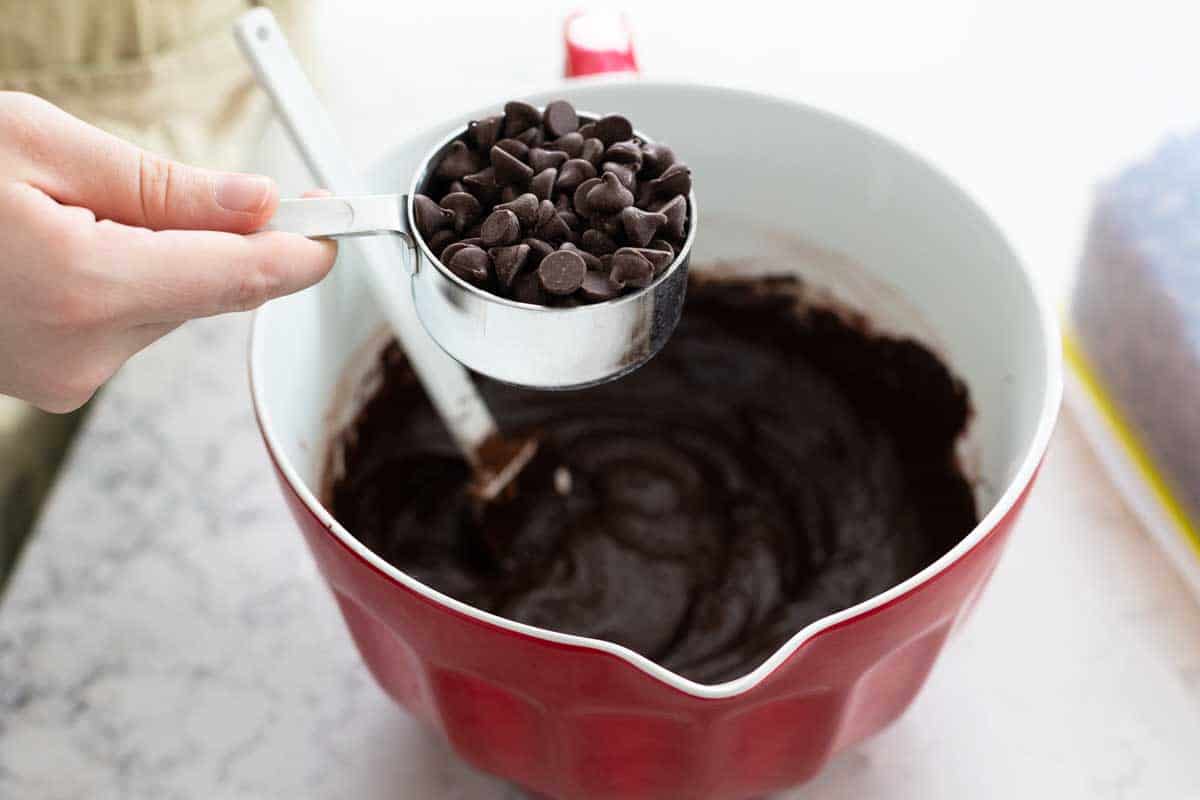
column 784, row 188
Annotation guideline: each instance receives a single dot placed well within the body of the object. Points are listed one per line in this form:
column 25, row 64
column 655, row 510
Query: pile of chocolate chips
column 534, row 206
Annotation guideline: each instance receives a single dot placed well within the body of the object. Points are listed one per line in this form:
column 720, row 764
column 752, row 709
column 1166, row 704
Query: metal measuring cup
column 519, row 343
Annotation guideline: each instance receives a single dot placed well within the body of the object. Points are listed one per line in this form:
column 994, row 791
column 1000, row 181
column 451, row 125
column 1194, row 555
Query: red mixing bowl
column 572, row 717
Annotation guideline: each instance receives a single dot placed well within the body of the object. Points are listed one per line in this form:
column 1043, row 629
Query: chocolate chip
column 510, row 170
column 543, row 183
column 597, row 287
column 596, row 242
column 571, row 144
column 590, row 261
column 525, row 207
column 640, row 226
column 532, row 137
column 624, row 172
column 675, row 211
column 485, row 131
column 509, row 193
column 430, row 217
column 610, row 196
column 646, row 197
column 546, row 210
column 631, row 268
column 625, row 153
column 562, row 202
column 471, row 264
column 570, row 218
column 508, row 261
column 593, row 151
column 587, row 130
column 662, row 244
column 464, row 207
column 519, row 117
column 448, row 254
column 455, row 186
column 676, row 179
column 550, row 226
column 457, row 161
column 608, row 224
column 574, row 172
column 527, row 288
column 442, row 239
column 561, row 272
column 501, row 227
column 538, row 250
column 655, row 159
column 580, row 198
column 514, row 148
column 659, row 259
column 560, row 118
column 541, row 159
column 483, row 185
column 612, row 129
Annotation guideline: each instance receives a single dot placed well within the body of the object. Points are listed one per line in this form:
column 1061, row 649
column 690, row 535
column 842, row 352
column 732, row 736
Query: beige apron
column 165, row 74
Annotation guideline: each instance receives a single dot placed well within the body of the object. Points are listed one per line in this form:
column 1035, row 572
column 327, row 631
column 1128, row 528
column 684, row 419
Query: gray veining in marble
column 167, row 636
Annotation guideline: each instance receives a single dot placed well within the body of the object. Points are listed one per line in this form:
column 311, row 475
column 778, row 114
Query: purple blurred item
column 1135, row 316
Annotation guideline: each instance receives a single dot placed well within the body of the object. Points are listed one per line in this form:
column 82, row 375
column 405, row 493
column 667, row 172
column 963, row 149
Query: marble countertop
column 166, row 634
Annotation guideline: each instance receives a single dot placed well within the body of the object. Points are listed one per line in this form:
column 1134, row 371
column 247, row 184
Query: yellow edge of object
column 1138, row 455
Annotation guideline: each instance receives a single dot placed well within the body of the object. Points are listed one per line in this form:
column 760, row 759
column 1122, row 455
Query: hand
column 104, row 248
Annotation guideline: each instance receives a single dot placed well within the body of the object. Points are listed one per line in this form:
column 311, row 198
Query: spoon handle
column 447, row 382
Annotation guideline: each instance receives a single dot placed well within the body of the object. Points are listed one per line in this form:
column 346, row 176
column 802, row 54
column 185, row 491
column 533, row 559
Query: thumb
column 80, row 165
column 174, row 195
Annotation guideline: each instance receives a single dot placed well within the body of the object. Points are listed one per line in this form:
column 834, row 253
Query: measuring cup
column 520, row 343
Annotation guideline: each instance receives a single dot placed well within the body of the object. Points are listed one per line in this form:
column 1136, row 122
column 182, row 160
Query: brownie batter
column 773, row 464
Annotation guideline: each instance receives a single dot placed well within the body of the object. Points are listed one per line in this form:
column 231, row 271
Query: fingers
column 67, row 383
column 178, row 275
column 80, row 165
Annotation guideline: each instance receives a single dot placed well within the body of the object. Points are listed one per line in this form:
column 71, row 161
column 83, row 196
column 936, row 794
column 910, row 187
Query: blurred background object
column 1133, row 343
column 598, row 43
column 32, row 444
column 163, row 74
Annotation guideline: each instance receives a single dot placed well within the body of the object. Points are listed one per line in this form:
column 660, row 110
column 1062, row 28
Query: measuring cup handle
column 337, row 217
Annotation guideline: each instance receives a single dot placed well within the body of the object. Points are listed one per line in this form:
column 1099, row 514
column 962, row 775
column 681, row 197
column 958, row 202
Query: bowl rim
column 1001, row 508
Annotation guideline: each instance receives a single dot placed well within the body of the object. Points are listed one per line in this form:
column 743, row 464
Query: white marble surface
column 166, row 635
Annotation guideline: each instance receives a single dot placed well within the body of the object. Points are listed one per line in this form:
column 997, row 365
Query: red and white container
column 598, row 43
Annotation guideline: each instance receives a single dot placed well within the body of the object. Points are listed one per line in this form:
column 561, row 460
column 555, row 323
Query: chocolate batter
column 773, row 464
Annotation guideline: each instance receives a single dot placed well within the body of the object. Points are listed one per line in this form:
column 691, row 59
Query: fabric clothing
column 165, row 74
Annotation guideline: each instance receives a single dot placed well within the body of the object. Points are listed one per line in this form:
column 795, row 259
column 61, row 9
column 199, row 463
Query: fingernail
column 244, row 193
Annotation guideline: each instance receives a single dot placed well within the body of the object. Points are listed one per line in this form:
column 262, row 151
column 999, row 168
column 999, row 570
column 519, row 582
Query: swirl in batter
column 773, row 464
